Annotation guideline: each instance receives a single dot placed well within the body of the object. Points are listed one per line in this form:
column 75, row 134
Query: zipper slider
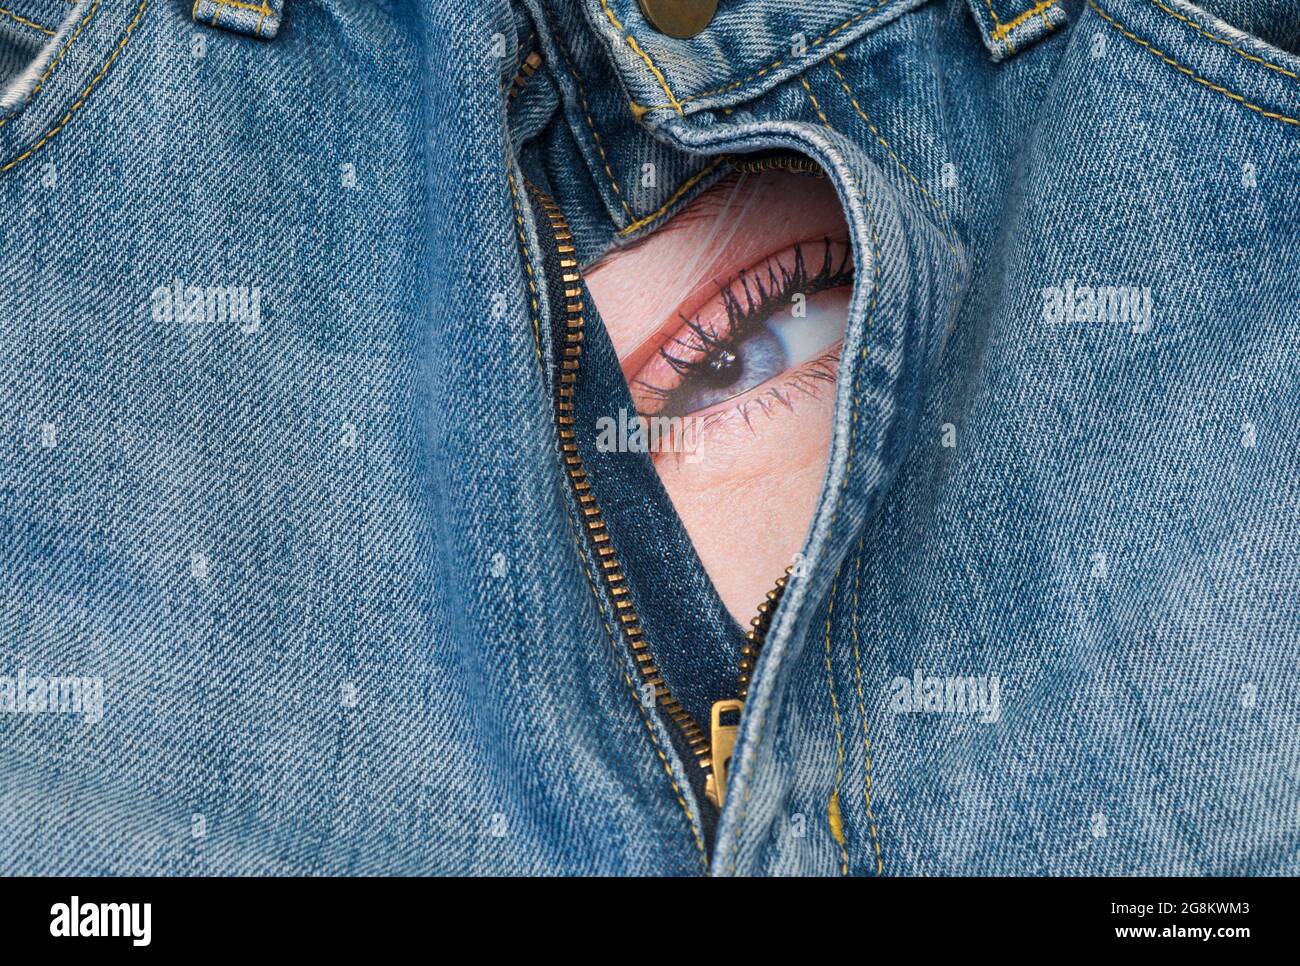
column 724, row 725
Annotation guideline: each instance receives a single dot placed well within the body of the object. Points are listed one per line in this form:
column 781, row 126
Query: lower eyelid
column 780, row 394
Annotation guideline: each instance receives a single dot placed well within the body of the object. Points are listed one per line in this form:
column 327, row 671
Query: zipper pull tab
column 724, row 725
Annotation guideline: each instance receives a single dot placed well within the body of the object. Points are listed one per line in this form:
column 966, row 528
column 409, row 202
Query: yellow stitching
column 897, row 160
column 81, row 100
column 1221, row 40
column 1230, row 94
column 997, row 26
column 848, row 465
column 777, row 63
column 609, row 633
column 833, row 809
column 685, row 187
column 862, row 705
column 27, row 23
column 590, row 581
column 591, row 125
column 663, row 81
column 613, row 182
column 1005, row 28
column 994, row 14
column 264, row 10
column 816, row 107
column 49, row 69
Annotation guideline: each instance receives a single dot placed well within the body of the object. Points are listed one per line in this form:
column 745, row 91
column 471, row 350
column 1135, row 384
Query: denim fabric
column 1009, row 27
column 260, row 19
column 279, row 461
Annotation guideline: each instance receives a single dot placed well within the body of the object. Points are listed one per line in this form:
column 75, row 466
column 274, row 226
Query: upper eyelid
column 708, row 291
column 826, row 263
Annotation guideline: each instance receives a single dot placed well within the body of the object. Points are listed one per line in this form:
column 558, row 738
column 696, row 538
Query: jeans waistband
column 751, row 46
column 619, row 80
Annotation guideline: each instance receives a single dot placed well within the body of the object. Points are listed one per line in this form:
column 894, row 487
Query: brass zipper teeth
column 593, row 520
column 591, row 516
column 778, row 161
column 724, row 727
column 526, row 70
column 755, row 637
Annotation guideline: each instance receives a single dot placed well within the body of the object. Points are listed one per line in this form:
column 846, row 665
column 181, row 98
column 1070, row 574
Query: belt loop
column 1009, row 26
column 256, row 18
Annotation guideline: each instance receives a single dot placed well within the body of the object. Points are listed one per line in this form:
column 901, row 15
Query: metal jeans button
column 679, row 18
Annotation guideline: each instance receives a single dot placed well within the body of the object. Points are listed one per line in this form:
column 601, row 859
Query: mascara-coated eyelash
column 763, row 323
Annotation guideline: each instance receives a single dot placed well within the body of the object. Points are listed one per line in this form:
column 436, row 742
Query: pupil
column 724, row 367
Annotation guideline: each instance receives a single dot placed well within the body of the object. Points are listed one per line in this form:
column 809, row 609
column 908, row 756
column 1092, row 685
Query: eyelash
column 806, row 379
column 762, row 300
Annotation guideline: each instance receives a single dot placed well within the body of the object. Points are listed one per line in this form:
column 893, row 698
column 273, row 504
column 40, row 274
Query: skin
column 747, row 496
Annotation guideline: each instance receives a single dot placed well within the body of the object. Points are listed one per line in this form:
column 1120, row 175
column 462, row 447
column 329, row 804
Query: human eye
column 782, row 316
column 731, row 319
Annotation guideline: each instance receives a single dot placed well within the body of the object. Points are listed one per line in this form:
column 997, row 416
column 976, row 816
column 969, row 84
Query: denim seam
column 946, row 224
column 631, row 42
column 1155, row 52
column 568, row 513
column 676, row 196
column 997, row 28
column 862, row 704
column 734, row 85
column 591, row 124
column 834, row 813
column 1002, row 30
column 1209, row 35
column 81, row 99
column 631, row 690
column 18, row 18
column 54, row 62
column 261, row 9
column 839, row 496
column 528, row 267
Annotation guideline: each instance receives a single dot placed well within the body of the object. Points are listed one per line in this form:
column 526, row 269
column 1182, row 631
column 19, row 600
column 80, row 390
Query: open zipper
column 712, row 751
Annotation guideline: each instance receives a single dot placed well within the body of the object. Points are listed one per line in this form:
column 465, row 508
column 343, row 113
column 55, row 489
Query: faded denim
column 320, row 548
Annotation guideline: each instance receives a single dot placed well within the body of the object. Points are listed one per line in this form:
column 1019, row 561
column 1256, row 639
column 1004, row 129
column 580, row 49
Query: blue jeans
column 309, row 564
